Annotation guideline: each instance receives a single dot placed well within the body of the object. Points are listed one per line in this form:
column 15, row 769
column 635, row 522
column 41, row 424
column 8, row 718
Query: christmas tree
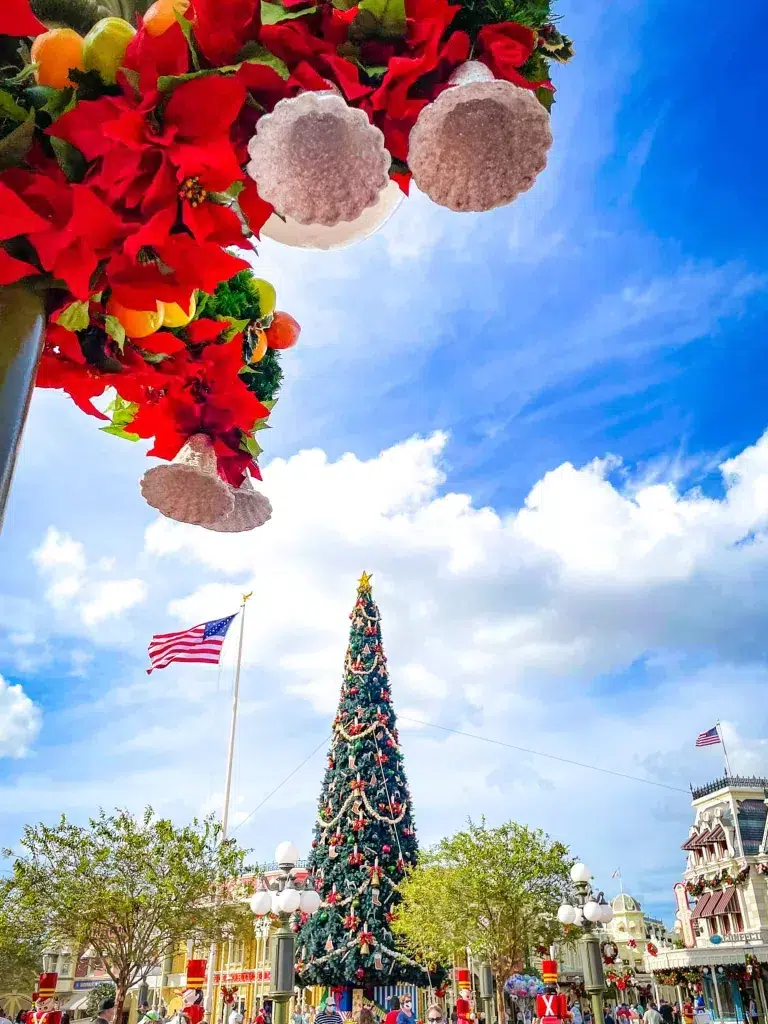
column 364, row 836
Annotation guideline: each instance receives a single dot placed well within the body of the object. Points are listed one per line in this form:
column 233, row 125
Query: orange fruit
column 260, row 348
column 55, row 52
column 138, row 323
column 283, row 332
column 162, row 14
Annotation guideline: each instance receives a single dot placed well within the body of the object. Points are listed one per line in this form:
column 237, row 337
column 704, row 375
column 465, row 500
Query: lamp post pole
column 587, row 911
column 283, row 895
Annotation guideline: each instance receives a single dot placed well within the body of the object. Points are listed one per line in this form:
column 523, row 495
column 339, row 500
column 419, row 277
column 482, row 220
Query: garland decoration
column 652, row 949
column 723, row 879
column 619, row 978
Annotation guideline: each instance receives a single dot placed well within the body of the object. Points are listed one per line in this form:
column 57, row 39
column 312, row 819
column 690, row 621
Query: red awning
column 690, row 842
column 727, row 902
column 703, row 837
column 703, row 902
column 717, row 835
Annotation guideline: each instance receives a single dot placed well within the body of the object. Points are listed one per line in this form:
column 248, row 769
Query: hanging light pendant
column 481, row 143
column 189, row 489
column 318, row 160
column 251, row 509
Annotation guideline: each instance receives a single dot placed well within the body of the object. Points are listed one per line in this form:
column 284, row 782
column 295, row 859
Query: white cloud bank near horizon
column 603, row 622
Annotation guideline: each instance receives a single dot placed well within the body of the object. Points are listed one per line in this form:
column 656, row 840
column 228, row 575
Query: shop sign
column 83, row 984
column 242, row 977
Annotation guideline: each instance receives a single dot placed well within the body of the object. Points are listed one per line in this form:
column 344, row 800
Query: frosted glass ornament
column 480, row 143
column 318, row 160
column 189, row 489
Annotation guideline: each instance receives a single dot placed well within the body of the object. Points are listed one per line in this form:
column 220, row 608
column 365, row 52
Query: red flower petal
column 198, row 109
column 152, row 56
column 17, row 19
column 505, row 47
column 255, row 209
column 16, row 218
column 12, row 270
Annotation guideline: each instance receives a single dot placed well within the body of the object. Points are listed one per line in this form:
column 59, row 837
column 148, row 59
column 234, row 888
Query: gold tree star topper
column 364, row 583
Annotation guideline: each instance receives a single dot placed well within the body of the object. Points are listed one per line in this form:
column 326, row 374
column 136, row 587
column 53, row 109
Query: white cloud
column 75, row 590
column 606, row 621
column 20, row 720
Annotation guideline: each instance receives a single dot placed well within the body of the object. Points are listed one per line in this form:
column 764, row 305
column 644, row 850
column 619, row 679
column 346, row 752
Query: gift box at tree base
column 140, row 156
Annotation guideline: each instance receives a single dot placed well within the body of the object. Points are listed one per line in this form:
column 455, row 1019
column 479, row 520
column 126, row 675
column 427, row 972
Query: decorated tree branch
column 365, row 839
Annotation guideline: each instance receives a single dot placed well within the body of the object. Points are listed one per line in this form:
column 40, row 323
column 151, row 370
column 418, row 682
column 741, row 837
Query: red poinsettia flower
column 74, row 228
column 17, row 19
column 222, row 27
column 144, row 156
column 153, row 56
column 170, row 272
column 505, row 48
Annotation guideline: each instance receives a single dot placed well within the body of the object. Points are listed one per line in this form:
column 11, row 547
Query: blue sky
column 518, row 422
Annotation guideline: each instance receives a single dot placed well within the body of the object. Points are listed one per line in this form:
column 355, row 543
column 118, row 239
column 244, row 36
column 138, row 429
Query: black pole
column 22, row 331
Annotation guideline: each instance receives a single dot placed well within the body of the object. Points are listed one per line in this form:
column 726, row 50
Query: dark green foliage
column 476, row 13
column 364, row 750
column 237, row 299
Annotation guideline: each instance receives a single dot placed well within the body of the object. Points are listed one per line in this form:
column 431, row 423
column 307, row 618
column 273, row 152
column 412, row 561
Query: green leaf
column 115, row 330
column 186, row 28
column 10, row 108
column 75, row 316
column 26, row 72
column 235, row 326
column 69, row 159
column 251, row 445
column 257, row 54
column 261, row 425
column 272, row 14
column 545, row 97
column 120, row 432
column 15, row 146
column 154, row 357
column 270, row 403
column 383, row 18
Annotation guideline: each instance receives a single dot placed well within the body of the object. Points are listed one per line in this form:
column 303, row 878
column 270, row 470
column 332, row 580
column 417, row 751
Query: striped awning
column 717, row 835
column 690, row 842
column 703, row 838
column 727, row 903
column 703, row 904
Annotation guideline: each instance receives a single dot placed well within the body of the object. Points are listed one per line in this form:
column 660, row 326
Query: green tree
column 364, row 836
column 106, row 990
column 130, row 889
column 21, row 942
column 493, row 890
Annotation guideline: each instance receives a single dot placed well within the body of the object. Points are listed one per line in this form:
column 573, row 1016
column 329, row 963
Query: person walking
column 394, row 1010
column 608, row 1016
column 652, row 1016
column 235, row 1015
column 434, row 1014
column 329, row 1014
column 406, row 1011
column 667, row 1013
column 106, row 1012
column 3, row 1018
column 752, row 1010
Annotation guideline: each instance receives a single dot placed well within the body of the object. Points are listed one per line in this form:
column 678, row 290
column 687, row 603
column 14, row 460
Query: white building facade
column 722, row 902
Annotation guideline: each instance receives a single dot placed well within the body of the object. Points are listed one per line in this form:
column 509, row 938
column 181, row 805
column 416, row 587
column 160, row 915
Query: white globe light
column 287, row 853
column 566, row 914
column 606, row 913
column 261, row 903
column 310, row 901
column 579, row 916
column 580, row 873
column 318, row 236
column 289, row 900
column 275, row 902
column 592, row 911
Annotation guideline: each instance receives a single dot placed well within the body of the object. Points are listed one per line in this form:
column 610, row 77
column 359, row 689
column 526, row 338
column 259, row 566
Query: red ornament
column 360, row 972
column 386, row 848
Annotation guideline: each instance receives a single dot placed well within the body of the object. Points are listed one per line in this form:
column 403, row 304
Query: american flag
column 708, row 738
column 201, row 644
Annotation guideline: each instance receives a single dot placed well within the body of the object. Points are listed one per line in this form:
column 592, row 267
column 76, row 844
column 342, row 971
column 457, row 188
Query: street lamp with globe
column 588, row 910
column 283, row 895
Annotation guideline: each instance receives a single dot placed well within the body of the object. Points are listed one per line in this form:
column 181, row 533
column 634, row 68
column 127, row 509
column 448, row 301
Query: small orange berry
column 55, row 52
column 260, row 347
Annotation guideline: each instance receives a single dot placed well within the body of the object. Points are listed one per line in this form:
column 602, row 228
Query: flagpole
column 725, row 752
column 227, row 792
